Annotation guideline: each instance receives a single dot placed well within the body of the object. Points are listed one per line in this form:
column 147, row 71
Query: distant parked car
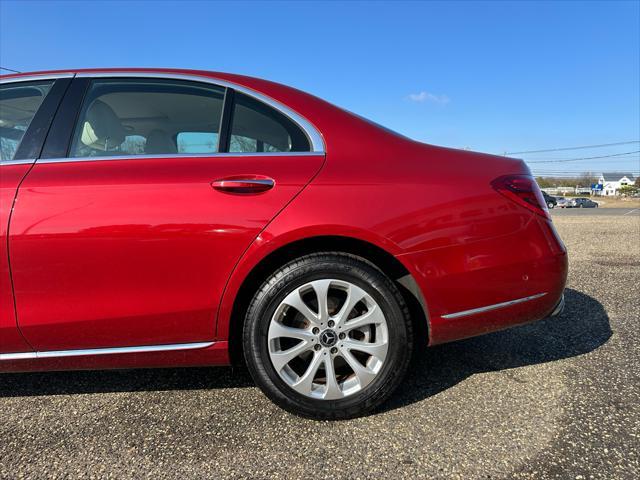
column 549, row 200
column 582, row 203
column 562, row 202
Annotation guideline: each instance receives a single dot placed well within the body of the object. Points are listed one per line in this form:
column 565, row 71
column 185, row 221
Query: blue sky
column 490, row 76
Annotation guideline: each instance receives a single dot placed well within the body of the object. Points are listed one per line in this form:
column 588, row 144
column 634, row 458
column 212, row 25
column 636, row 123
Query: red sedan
column 179, row 218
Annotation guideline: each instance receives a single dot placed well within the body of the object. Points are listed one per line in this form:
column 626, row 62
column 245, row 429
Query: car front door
column 27, row 106
column 129, row 225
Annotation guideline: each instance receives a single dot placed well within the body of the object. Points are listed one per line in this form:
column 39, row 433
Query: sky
column 495, row 77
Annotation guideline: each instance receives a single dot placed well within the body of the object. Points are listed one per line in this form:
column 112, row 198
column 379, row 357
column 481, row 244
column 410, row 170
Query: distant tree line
column 584, row 180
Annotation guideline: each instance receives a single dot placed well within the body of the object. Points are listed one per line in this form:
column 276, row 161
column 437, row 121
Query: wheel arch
column 373, row 254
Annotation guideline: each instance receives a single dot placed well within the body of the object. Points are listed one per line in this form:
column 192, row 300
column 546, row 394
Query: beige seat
column 102, row 129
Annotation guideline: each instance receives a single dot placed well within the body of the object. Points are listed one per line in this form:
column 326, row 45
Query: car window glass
column 197, row 142
column 148, row 117
column 256, row 127
column 19, row 103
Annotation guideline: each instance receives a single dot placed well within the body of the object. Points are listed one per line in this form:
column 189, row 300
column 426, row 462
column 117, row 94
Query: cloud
column 429, row 97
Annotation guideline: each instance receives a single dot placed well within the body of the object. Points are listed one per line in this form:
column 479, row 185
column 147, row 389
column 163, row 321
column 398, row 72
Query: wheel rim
column 328, row 339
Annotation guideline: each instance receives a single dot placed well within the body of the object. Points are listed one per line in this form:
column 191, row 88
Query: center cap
column 328, row 338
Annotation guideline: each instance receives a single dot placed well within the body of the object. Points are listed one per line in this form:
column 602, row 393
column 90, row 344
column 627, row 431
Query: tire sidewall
column 269, row 298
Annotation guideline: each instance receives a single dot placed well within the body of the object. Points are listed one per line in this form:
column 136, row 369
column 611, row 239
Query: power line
column 583, row 158
column 547, row 172
column 531, row 159
column 574, row 148
column 10, row 70
column 574, row 176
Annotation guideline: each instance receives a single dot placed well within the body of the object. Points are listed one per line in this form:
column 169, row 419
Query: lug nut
column 342, row 336
column 334, row 350
column 316, row 330
column 331, row 323
column 317, row 347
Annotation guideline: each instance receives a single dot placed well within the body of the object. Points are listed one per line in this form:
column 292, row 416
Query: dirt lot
column 555, row 399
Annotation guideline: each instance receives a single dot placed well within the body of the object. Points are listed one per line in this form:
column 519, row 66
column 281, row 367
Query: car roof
column 329, row 120
column 337, row 127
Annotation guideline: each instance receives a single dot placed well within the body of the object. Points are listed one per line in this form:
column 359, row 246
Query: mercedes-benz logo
column 328, row 338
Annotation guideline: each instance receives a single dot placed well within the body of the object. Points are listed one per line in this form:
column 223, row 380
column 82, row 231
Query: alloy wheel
column 328, row 339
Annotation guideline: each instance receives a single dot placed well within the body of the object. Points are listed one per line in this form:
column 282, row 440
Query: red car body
column 102, row 257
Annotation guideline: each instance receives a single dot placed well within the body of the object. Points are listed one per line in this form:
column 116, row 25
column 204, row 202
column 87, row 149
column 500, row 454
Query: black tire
column 550, row 205
column 297, row 273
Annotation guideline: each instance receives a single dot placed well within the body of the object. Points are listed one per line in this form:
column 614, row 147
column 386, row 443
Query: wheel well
column 375, row 255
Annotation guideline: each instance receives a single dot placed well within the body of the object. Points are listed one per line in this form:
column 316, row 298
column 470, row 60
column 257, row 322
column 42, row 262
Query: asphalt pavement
column 556, row 399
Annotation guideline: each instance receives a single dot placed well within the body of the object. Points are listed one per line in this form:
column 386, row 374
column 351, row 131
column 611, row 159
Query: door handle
column 244, row 184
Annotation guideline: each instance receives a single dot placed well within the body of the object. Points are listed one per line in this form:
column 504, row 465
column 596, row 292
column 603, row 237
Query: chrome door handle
column 244, row 184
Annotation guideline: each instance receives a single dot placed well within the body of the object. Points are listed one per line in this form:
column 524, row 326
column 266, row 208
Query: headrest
column 158, row 142
column 102, row 129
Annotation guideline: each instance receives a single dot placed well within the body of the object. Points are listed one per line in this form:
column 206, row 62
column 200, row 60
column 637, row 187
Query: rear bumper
column 493, row 284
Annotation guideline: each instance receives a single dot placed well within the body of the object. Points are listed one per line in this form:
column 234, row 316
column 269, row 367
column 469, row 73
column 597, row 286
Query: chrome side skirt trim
column 103, row 351
column 175, row 155
column 474, row 311
column 559, row 308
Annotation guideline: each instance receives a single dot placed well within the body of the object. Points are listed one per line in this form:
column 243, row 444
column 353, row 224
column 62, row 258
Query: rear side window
column 148, row 117
column 256, row 127
column 19, row 103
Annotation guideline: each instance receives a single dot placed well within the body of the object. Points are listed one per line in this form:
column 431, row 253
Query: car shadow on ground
column 581, row 328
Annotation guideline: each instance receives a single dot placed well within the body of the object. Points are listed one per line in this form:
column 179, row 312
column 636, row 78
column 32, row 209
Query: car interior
column 18, row 105
column 146, row 122
column 139, row 118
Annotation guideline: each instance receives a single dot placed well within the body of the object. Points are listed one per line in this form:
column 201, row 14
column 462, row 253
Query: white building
column 611, row 182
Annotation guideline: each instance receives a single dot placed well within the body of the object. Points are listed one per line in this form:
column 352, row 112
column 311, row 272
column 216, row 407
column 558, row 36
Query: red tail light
column 523, row 190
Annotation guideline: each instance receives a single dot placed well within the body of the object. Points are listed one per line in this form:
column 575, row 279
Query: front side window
column 148, row 117
column 19, row 103
column 256, row 127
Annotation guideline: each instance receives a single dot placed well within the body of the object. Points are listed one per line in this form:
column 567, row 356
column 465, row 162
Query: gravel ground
column 555, row 399
column 587, row 212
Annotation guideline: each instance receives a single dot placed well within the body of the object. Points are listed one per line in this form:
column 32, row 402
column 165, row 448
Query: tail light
column 523, row 190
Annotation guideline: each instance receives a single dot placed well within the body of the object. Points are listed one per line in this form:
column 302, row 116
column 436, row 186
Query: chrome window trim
column 35, row 77
column 315, row 138
column 103, row 351
column 17, row 162
column 178, row 155
column 495, row 306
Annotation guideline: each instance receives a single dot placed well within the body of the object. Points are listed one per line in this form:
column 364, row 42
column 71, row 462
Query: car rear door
column 27, row 105
column 131, row 222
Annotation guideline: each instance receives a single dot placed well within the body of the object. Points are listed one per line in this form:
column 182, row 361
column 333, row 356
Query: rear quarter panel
column 434, row 209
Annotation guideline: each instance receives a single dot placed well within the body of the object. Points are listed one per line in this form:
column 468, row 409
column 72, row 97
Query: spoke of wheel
column 354, row 295
column 373, row 316
column 372, row 322
column 333, row 389
column 378, row 350
column 280, row 359
column 321, row 288
column 295, row 300
column 305, row 382
column 278, row 330
column 363, row 374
